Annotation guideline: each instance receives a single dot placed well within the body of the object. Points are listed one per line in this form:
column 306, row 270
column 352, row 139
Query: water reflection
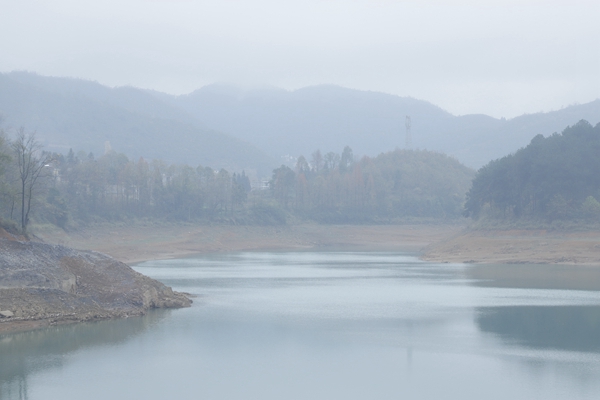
column 535, row 276
column 571, row 328
column 25, row 353
column 558, row 327
column 328, row 326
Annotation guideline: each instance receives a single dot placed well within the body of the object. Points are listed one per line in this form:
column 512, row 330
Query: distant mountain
column 319, row 117
column 83, row 115
column 225, row 126
column 330, row 117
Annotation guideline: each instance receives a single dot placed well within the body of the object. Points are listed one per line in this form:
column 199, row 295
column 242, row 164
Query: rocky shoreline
column 43, row 284
column 46, row 284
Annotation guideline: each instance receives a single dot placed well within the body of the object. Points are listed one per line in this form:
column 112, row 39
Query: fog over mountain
column 329, row 117
column 227, row 126
column 83, row 115
column 498, row 57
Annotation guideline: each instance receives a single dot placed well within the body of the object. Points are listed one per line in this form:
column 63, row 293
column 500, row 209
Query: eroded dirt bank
column 43, row 284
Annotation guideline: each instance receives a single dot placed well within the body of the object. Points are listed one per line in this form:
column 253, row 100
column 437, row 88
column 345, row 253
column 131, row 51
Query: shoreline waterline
column 326, row 324
column 452, row 243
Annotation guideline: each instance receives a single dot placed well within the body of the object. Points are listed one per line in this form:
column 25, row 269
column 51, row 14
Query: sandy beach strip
column 439, row 243
column 517, row 247
column 137, row 243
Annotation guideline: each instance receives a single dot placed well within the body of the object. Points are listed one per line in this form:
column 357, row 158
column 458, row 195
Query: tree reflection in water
column 570, row 328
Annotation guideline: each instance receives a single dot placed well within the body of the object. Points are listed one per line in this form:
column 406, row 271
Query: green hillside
column 394, row 186
column 553, row 178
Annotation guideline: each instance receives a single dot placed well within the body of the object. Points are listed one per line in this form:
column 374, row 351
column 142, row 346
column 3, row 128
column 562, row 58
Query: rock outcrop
column 52, row 284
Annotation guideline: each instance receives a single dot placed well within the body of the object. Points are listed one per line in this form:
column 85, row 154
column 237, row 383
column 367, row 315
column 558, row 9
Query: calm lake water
column 329, row 326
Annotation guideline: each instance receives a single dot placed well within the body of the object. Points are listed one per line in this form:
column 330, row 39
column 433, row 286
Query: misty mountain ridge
column 324, row 117
column 83, row 115
column 130, row 98
column 328, row 117
column 229, row 126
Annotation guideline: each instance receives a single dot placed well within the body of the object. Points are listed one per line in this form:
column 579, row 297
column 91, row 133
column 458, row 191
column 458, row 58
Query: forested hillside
column 71, row 189
column 164, row 162
column 396, row 185
column 553, row 178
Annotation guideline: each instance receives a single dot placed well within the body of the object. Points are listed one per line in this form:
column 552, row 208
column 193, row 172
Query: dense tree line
column 396, row 185
column 84, row 188
column 553, row 178
column 331, row 188
column 113, row 187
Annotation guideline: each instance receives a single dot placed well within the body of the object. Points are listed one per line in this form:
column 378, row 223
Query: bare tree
column 6, row 194
column 4, row 152
column 30, row 163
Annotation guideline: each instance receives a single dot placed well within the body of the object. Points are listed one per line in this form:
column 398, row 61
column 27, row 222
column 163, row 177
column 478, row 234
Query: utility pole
column 407, row 123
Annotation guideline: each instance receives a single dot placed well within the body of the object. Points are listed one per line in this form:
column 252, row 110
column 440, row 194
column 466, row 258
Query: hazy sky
column 501, row 58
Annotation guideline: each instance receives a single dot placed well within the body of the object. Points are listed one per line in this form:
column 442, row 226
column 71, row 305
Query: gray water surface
column 328, row 326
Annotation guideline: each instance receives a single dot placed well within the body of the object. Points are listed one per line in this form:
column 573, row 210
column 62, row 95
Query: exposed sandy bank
column 131, row 244
column 443, row 243
column 517, row 246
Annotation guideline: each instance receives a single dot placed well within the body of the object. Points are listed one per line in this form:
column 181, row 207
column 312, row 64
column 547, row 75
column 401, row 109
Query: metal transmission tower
column 407, row 123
